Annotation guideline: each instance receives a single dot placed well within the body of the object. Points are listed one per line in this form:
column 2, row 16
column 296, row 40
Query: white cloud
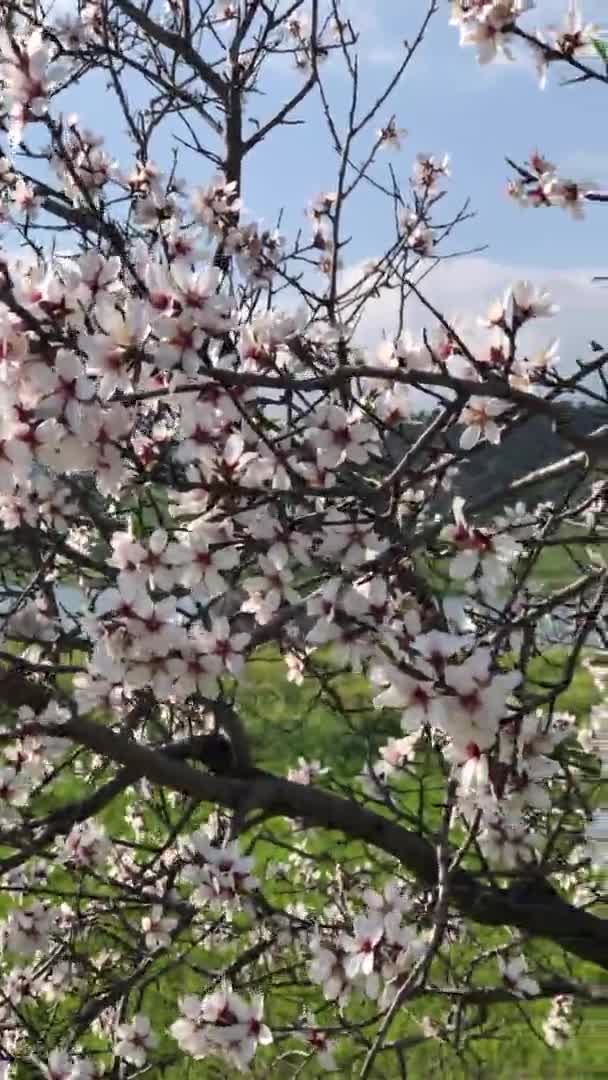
column 463, row 288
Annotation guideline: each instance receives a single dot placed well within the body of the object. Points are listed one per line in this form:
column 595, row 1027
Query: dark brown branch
column 177, row 45
column 578, row 932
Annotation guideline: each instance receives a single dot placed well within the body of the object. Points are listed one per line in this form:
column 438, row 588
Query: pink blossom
column 135, row 1040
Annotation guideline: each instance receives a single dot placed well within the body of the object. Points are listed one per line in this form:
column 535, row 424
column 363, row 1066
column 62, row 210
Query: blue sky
column 448, row 103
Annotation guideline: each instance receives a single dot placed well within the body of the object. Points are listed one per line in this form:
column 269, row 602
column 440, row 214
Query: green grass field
column 562, row 563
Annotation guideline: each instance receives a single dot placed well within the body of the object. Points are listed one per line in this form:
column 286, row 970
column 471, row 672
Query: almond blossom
column 28, row 930
column 135, row 1039
column 322, row 1046
column 529, row 303
column 14, row 791
column 202, row 565
column 86, row 846
column 415, row 695
column 479, row 417
column 576, row 37
column 339, row 438
column 28, row 75
column 157, row 928
column 221, row 876
column 360, row 948
column 221, row 1023
column 268, row 590
column 478, row 549
column 60, row 1066
column 111, row 353
column 327, row 968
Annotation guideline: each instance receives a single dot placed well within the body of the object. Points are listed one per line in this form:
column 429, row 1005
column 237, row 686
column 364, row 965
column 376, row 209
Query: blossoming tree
column 203, row 475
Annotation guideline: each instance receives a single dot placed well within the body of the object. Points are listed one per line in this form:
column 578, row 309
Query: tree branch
column 177, row 45
column 578, row 932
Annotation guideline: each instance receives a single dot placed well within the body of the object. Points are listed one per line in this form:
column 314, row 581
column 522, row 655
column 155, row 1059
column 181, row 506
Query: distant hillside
column 528, row 446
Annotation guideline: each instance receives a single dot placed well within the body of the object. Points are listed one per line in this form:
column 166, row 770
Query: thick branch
column 492, row 386
column 176, row 44
column 578, row 932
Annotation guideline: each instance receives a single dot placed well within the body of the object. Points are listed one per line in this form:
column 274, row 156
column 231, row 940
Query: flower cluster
column 490, row 26
column 374, row 956
column 27, row 75
column 538, row 184
column 222, row 1023
column 219, row 876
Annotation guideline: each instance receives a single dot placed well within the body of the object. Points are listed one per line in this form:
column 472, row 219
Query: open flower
column 479, row 417
column 339, row 436
column 135, row 1040
column 527, row 302
column 111, row 353
column 157, row 928
column 361, row 946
